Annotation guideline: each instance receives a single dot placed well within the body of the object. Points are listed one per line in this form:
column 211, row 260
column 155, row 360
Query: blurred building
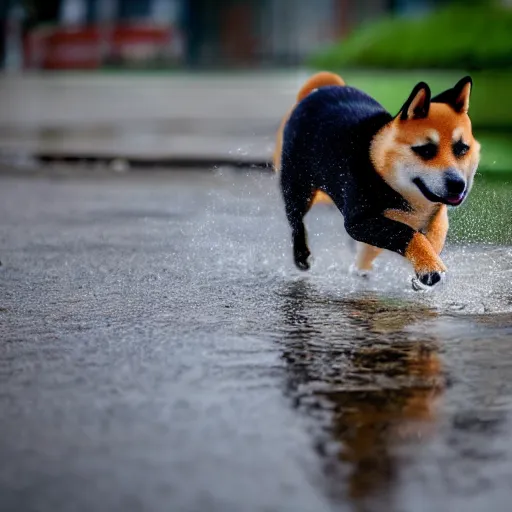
column 88, row 34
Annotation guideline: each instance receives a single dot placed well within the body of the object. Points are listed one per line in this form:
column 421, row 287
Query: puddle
column 168, row 350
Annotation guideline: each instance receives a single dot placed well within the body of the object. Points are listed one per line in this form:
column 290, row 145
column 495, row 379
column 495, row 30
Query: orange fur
column 366, row 255
column 444, row 120
column 435, row 226
column 417, row 220
column 393, row 153
column 321, row 197
column 279, row 142
column 392, row 144
column 322, row 79
column 438, row 229
column 423, row 256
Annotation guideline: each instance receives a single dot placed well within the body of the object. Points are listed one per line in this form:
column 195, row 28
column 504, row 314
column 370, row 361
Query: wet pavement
column 159, row 352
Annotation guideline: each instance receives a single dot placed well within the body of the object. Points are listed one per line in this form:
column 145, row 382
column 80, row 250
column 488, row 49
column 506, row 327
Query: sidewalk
column 145, row 118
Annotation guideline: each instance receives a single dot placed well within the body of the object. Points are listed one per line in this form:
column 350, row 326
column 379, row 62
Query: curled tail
column 322, row 79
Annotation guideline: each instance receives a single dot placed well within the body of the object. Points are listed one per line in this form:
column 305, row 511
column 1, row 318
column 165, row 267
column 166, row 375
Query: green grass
column 496, row 157
column 485, row 216
column 491, row 98
column 461, row 36
column 491, row 120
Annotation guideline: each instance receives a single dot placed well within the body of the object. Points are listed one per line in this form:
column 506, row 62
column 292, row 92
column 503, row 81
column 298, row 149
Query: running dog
column 391, row 177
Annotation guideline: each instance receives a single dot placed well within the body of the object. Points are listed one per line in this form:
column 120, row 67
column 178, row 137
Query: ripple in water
column 245, row 219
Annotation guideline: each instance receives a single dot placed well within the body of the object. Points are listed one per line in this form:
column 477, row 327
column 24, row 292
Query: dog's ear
column 418, row 103
column 458, row 97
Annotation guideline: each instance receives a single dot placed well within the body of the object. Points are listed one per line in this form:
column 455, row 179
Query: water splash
column 245, row 215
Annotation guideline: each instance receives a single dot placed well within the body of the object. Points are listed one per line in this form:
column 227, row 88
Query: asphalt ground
column 159, row 352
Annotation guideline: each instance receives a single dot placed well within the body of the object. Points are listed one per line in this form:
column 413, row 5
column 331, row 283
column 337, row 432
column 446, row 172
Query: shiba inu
column 391, row 177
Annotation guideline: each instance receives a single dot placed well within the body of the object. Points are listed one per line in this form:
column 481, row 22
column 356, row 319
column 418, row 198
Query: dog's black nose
column 455, row 185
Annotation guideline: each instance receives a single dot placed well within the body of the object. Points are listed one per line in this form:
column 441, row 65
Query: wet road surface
column 159, row 352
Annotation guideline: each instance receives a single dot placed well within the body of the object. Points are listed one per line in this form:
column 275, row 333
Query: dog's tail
column 322, row 79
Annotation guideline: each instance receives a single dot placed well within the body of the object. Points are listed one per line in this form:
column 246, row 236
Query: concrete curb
column 143, row 151
column 144, row 121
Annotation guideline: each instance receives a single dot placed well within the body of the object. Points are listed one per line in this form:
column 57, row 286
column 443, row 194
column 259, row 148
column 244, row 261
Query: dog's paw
column 355, row 271
column 302, row 260
column 426, row 282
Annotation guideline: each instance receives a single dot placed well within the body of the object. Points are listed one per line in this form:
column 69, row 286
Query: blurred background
column 96, row 34
column 207, row 81
column 158, row 349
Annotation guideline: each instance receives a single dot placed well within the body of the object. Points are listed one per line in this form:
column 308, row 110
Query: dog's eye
column 426, row 151
column 460, row 149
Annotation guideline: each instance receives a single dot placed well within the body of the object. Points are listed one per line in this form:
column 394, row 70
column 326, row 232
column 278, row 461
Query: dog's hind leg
column 297, row 200
column 366, row 255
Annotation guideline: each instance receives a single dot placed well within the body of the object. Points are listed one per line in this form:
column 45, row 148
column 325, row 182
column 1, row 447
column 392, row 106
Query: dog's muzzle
column 452, row 191
column 455, row 186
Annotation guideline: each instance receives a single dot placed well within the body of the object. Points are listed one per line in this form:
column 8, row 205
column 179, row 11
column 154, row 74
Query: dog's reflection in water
column 372, row 384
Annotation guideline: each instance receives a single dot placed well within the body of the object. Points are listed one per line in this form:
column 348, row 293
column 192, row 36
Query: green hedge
column 485, row 216
column 490, row 109
column 459, row 36
column 491, row 98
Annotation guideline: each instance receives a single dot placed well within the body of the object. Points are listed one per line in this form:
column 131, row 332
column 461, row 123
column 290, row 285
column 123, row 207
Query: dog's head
column 428, row 152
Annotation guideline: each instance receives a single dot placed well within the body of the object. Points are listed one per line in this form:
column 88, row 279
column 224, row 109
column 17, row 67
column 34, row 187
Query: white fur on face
column 435, row 181
column 402, row 181
column 431, row 136
column 457, row 134
column 473, row 166
column 407, row 167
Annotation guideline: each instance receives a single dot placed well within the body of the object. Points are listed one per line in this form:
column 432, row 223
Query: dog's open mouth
column 450, row 200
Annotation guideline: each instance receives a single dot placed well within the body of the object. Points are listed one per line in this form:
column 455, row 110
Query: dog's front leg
column 395, row 236
column 438, row 229
column 428, row 266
